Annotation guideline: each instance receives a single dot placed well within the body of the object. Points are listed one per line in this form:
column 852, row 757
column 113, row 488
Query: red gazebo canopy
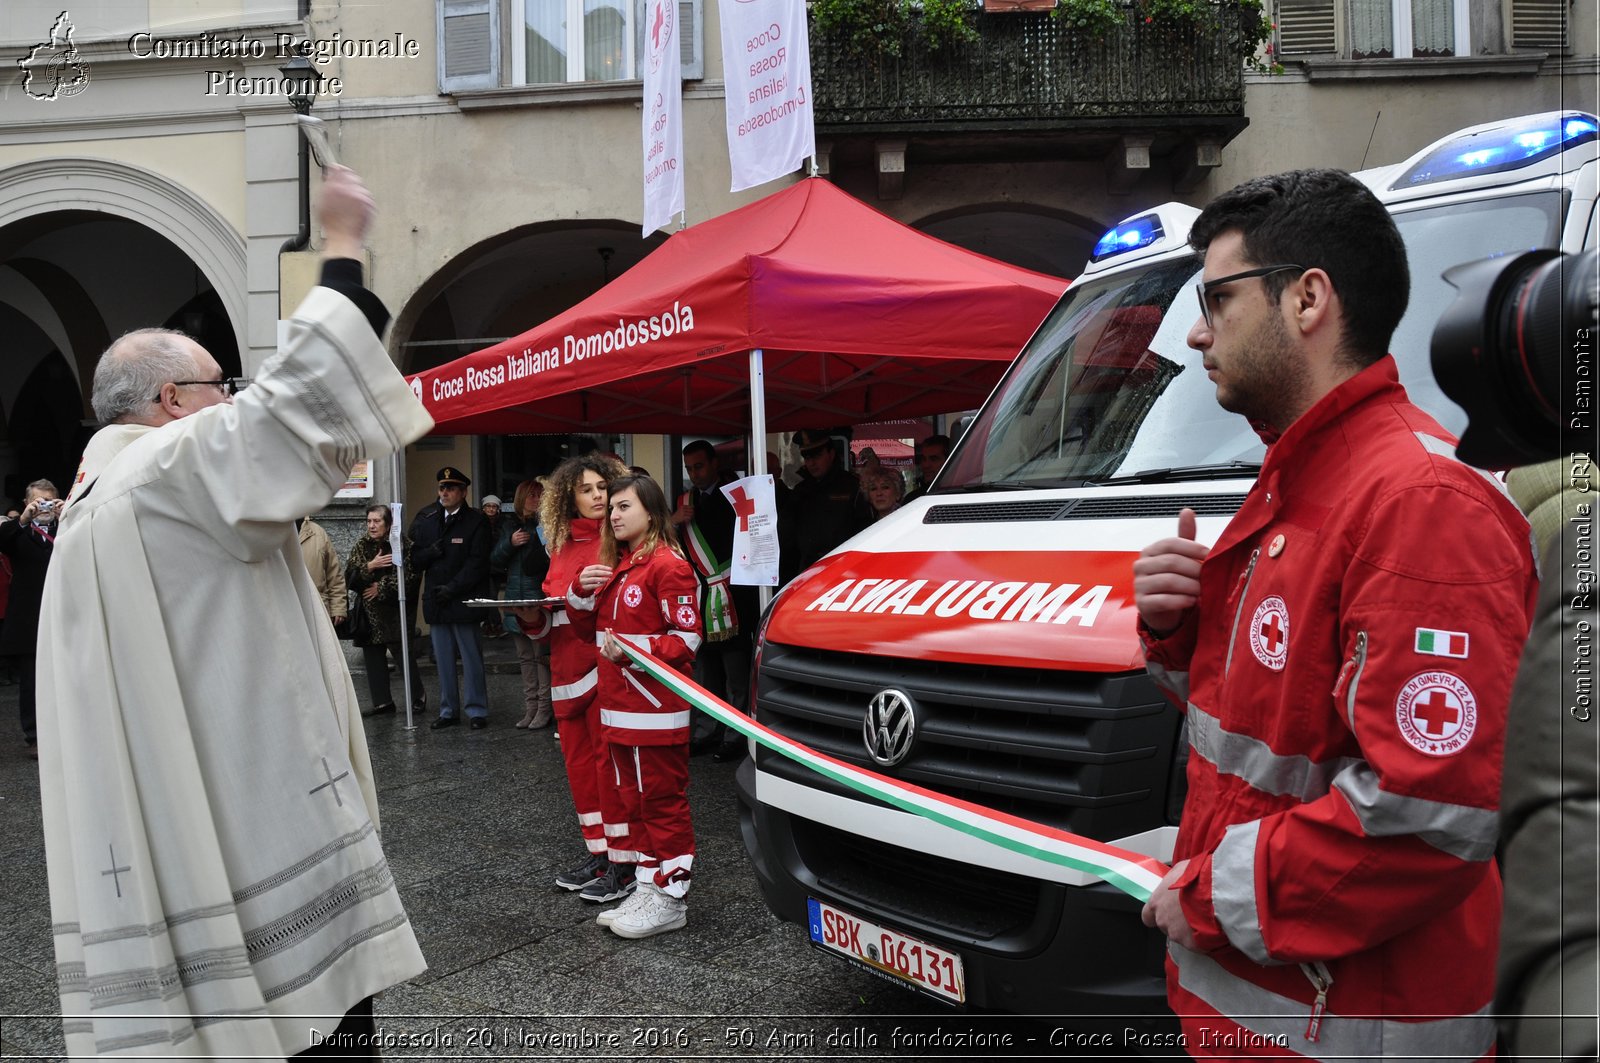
column 860, row 318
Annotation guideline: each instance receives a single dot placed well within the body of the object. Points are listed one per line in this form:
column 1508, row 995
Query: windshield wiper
column 1221, row 469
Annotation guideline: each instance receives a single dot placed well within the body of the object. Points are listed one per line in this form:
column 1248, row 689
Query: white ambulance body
column 992, row 620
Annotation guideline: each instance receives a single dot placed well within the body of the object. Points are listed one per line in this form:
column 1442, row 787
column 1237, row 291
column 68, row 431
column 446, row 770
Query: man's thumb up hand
column 1186, row 524
column 1166, row 577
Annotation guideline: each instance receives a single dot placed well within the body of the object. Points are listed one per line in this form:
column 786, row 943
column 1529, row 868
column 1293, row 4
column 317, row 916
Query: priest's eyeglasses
column 230, row 385
column 1205, row 288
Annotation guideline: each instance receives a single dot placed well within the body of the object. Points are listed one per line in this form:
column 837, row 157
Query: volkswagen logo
column 890, row 729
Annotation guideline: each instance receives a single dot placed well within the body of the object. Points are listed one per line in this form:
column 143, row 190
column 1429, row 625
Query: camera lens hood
column 1495, row 352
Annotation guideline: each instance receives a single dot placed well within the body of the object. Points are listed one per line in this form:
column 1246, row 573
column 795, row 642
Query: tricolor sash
column 721, row 619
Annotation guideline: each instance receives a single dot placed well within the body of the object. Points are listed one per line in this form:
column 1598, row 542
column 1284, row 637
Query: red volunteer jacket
column 652, row 602
column 1346, row 676
column 573, row 675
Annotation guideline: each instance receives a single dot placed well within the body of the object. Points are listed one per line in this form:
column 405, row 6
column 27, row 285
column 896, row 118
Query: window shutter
column 692, row 17
column 1305, row 27
column 1539, row 24
column 469, row 44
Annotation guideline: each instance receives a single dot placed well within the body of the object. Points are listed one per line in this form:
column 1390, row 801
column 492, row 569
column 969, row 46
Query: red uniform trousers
column 653, row 783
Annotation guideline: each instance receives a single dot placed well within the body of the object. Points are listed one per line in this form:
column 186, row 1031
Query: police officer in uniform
column 826, row 506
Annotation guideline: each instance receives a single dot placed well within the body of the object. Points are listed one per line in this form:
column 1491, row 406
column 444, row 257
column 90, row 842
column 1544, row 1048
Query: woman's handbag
column 357, row 624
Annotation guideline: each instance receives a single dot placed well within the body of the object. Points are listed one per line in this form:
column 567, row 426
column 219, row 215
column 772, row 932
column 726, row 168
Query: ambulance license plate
column 900, row 956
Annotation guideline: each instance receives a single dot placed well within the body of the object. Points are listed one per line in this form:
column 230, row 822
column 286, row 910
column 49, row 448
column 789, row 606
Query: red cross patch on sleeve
column 1437, row 713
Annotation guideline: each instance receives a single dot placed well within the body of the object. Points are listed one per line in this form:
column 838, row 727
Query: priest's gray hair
column 132, row 370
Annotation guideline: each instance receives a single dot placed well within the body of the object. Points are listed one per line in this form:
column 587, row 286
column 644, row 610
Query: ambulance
column 980, row 641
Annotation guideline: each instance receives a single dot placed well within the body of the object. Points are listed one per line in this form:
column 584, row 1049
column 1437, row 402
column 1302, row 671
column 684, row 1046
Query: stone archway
column 48, row 186
column 1050, row 241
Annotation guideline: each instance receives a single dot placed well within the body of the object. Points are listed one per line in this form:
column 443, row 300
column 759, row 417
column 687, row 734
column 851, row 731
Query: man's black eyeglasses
column 1204, row 288
column 230, row 385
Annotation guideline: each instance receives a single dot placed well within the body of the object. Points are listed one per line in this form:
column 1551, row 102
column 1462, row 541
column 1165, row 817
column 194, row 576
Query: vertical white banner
column 766, row 60
column 663, row 114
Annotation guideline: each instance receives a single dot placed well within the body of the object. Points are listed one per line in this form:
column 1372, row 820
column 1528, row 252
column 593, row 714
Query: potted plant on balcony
column 876, row 28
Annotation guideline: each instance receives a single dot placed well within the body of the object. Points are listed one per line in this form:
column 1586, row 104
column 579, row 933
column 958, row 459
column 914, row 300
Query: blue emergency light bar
column 1505, row 147
column 1129, row 236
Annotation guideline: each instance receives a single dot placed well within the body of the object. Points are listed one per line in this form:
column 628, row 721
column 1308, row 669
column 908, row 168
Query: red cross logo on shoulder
column 744, row 507
column 1436, row 713
column 1269, row 633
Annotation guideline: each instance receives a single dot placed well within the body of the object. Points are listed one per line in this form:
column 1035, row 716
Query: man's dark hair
column 940, row 441
column 700, row 446
column 1328, row 220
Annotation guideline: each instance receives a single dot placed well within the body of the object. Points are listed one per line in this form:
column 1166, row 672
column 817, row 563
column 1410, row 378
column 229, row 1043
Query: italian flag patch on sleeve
column 1436, row 643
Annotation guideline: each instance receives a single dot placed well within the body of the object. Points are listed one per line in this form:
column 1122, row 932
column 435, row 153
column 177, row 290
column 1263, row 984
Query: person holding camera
column 1344, row 654
column 29, row 541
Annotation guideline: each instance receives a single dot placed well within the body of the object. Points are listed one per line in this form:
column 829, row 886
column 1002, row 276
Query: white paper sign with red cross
column 1436, row 713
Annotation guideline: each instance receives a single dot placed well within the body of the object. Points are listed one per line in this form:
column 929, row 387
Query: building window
column 1407, row 29
column 572, row 40
column 554, row 42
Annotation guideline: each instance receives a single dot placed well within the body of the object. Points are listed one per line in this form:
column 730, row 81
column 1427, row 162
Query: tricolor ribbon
column 1133, row 873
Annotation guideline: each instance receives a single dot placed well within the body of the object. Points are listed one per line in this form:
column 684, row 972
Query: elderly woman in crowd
column 370, row 572
column 884, row 488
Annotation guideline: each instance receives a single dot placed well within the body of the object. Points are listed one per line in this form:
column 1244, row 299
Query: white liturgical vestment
column 209, row 812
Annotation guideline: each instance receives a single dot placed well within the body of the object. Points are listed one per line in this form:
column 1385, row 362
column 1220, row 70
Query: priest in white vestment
column 211, row 824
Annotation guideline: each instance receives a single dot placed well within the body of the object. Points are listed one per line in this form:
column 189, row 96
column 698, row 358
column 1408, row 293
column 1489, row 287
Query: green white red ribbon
column 1133, row 873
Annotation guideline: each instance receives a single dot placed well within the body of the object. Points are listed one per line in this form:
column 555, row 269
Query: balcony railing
column 1032, row 71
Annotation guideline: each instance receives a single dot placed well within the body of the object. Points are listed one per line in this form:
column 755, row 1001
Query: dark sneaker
column 614, row 885
column 589, row 871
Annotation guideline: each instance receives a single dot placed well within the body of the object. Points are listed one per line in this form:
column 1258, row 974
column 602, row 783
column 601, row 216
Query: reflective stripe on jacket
column 573, row 674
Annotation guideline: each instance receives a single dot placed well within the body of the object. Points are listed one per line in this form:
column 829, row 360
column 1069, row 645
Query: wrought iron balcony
column 1031, row 72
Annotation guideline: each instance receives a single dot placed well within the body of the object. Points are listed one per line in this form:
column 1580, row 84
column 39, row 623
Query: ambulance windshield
column 1110, row 389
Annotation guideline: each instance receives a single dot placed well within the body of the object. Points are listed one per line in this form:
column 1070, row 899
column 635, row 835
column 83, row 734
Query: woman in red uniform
column 571, row 513
column 642, row 591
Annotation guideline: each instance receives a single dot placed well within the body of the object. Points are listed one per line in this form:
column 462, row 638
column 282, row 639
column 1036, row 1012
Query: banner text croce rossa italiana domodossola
column 519, row 365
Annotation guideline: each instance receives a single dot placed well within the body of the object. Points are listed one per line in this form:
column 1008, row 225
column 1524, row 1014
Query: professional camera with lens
column 1516, row 351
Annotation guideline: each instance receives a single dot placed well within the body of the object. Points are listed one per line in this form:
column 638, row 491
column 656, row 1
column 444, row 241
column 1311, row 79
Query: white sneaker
column 656, row 914
column 632, row 901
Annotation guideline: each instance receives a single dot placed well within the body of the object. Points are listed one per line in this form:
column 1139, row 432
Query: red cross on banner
column 744, row 507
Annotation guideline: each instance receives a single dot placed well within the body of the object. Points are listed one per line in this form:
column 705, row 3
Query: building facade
column 149, row 158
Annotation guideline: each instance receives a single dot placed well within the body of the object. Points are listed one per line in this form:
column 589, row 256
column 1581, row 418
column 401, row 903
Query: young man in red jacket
column 1344, row 653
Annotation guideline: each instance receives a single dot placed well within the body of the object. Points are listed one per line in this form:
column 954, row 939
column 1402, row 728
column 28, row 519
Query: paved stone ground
column 476, row 824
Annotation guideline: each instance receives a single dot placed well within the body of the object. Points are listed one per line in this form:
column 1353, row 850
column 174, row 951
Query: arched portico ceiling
column 510, row 282
column 45, row 186
column 1036, row 238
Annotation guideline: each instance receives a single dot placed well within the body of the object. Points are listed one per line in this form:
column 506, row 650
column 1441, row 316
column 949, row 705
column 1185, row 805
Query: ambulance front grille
column 1129, row 507
column 1084, row 752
